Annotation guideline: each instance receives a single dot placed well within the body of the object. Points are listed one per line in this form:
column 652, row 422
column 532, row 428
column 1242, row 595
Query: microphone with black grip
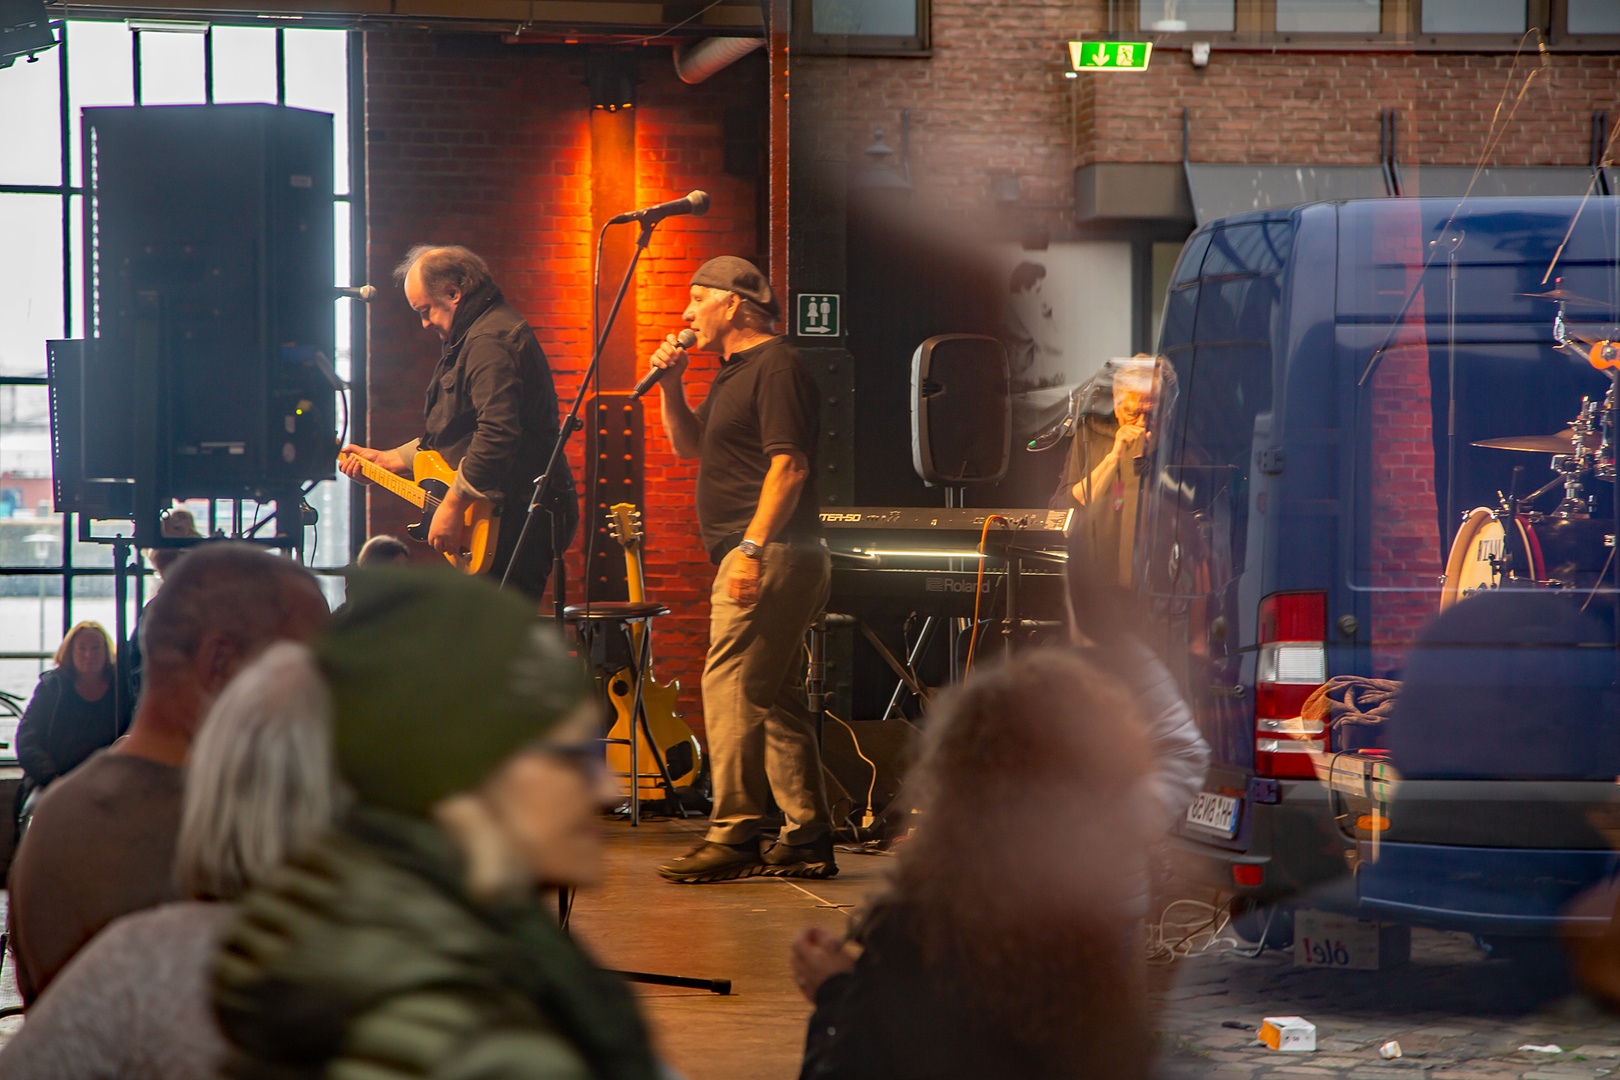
column 695, row 202
column 686, row 339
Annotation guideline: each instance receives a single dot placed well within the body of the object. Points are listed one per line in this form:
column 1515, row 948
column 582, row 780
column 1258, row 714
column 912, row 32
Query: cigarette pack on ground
column 1288, row 1033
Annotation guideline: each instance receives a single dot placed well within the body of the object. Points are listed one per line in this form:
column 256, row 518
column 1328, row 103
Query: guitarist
column 491, row 411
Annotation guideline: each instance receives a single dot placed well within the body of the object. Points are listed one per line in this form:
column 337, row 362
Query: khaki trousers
column 762, row 739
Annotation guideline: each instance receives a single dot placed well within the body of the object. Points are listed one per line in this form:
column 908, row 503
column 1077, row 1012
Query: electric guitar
column 682, row 754
column 480, row 528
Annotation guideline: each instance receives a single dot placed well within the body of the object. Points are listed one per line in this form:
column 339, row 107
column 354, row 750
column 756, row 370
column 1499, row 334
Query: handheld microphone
column 695, row 202
column 359, row 292
column 685, row 339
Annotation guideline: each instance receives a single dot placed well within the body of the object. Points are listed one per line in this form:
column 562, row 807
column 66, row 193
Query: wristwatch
column 749, row 549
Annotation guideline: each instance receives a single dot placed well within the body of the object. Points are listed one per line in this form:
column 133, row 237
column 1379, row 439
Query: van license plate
column 1216, row 813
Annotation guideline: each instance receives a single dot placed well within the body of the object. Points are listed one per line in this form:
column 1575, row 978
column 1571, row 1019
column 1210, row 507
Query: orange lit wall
column 487, row 145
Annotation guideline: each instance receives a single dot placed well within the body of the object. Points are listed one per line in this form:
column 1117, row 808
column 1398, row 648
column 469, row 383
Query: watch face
column 749, row 549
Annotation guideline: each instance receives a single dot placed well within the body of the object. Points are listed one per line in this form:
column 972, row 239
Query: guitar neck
column 393, row 482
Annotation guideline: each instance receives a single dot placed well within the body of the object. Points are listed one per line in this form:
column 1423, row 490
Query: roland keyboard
column 908, row 528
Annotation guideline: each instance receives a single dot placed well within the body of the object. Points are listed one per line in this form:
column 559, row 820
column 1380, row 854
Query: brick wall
column 993, row 101
column 475, row 143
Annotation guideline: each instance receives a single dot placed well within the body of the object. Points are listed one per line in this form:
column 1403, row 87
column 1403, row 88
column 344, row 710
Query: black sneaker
column 711, row 861
column 814, row 860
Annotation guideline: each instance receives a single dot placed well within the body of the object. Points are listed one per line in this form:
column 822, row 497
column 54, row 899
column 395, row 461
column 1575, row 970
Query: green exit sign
column 1110, row 55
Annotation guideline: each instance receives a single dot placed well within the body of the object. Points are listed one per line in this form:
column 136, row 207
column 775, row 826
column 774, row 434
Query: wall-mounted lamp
column 25, row 29
column 612, row 79
column 1200, row 54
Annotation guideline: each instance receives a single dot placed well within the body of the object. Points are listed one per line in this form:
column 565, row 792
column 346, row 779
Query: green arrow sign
column 1110, row 55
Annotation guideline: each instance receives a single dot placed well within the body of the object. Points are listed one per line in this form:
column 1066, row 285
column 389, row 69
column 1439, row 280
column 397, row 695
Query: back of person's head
column 383, row 550
column 1030, row 784
column 236, row 599
column 261, row 778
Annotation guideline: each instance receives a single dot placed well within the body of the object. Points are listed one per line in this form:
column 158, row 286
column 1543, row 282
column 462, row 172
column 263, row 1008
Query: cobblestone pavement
column 1457, row 1014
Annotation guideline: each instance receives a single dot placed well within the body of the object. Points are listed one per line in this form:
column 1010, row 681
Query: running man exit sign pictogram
column 1110, row 55
column 819, row 315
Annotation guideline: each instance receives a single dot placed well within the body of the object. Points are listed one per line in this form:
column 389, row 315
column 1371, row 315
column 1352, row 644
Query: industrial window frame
column 66, row 190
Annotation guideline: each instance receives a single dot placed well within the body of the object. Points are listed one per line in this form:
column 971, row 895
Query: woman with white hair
column 134, row 1003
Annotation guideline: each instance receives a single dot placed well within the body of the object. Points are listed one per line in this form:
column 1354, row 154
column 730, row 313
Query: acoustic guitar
column 682, row 754
column 480, row 527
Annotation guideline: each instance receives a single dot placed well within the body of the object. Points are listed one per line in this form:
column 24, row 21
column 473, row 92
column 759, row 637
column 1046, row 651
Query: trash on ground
column 1288, row 1033
column 1550, row 1048
column 1391, row 1049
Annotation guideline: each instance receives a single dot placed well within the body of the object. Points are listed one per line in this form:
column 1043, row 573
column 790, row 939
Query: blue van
column 1319, row 494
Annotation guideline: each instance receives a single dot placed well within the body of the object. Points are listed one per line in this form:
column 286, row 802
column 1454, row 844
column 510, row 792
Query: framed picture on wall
column 861, row 27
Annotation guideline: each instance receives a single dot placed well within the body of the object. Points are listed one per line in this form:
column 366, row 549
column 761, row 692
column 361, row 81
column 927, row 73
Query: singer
column 754, row 437
column 491, row 409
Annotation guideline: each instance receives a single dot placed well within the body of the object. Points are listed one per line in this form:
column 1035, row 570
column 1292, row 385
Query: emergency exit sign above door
column 1110, row 55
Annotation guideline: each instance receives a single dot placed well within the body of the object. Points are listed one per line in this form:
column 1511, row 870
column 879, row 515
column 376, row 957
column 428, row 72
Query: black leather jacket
column 491, row 405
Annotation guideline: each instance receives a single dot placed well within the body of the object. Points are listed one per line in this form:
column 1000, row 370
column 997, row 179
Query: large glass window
column 46, row 586
column 1174, row 16
column 1594, row 17
column 1474, row 16
column 1328, row 16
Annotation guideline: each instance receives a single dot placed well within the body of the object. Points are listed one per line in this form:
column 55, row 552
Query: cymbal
column 1561, row 443
column 1564, row 295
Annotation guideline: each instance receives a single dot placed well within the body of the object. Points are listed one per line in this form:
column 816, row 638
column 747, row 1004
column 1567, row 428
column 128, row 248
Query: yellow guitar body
column 682, row 754
column 481, row 526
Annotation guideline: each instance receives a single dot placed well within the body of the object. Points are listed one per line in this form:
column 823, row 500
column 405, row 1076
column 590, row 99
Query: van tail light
column 1292, row 665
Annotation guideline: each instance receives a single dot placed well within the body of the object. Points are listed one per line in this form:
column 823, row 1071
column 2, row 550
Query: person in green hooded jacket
column 411, row 940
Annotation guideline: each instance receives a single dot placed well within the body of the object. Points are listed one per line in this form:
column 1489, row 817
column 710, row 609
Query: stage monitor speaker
column 888, row 746
column 961, row 416
column 209, row 262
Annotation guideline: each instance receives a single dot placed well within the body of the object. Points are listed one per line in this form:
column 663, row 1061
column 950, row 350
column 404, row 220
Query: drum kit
column 1517, row 546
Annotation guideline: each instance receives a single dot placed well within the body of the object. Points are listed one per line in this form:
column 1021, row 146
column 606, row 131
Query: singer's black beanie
column 741, row 277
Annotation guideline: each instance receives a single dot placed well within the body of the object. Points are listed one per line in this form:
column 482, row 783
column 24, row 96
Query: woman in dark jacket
column 71, row 714
column 1005, row 943
column 412, row 941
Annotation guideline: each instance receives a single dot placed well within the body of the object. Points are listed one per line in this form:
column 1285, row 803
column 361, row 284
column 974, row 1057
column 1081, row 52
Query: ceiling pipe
column 694, row 63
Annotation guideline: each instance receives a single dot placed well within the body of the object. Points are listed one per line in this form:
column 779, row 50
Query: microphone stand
column 571, row 424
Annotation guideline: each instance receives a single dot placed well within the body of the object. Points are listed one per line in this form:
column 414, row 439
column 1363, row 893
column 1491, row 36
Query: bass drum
column 1479, row 551
column 1576, row 550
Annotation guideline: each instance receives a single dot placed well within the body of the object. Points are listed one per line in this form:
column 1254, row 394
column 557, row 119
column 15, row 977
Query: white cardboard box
column 1323, row 939
column 1288, row 1033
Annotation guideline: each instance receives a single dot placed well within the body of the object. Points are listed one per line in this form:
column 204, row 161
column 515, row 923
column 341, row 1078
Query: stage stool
column 607, row 629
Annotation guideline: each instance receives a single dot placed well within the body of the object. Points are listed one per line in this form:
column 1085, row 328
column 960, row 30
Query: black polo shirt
column 762, row 402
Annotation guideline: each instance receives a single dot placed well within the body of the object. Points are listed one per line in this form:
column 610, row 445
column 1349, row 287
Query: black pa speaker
column 961, row 416
column 208, row 235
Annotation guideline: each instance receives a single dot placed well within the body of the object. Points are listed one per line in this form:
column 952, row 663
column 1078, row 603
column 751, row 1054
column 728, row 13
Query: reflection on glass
column 318, row 78
column 30, row 288
column 864, row 18
column 244, row 64
column 1173, row 16
column 172, row 68
column 29, row 131
column 1473, row 16
column 1594, row 17
column 100, row 72
column 1328, row 16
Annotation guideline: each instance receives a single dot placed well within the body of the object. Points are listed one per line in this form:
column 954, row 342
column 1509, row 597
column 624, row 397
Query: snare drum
column 1479, row 554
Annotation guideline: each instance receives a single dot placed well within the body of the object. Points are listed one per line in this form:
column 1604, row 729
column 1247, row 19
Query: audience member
column 71, row 714
column 1004, row 944
column 101, row 842
column 383, row 550
column 134, row 1004
column 411, row 940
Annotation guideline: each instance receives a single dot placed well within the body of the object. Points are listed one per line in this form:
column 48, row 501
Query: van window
column 1196, row 515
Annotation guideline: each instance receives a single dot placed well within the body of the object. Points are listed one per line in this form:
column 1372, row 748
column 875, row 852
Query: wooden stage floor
column 737, row 930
